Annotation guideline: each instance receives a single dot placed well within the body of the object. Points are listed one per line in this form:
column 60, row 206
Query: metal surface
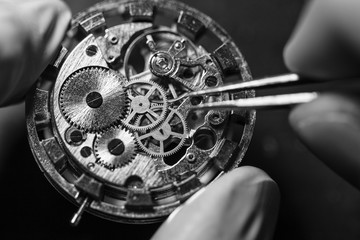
column 267, row 102
column 93, row 99
column 115, row 148
column 111, row 126
column 271, row 101
column 273, row 81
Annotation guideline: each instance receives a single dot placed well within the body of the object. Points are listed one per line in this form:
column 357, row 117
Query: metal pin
column 151, row 43
column 77, row 216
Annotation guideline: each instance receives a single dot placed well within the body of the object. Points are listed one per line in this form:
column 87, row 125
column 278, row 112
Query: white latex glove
column 243, row 204
column 31, row 33
column 326, row 44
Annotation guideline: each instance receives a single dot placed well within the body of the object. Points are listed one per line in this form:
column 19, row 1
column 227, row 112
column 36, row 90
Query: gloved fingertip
column 245, row 175
column 50, row 20
column 325, row 41
column 58, row 24
column 329, row 126
column 290, row 59
column 242, row 204
column 33, row 32
column 329, row 103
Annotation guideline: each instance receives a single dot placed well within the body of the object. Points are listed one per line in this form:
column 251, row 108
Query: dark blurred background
column 316, row 203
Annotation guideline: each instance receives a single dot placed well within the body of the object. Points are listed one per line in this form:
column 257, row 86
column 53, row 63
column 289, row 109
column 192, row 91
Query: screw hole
column 134, row 181
column 191, row 158
column 187, row 74
column 196, row 100
column 205, row 139
column 114, row 40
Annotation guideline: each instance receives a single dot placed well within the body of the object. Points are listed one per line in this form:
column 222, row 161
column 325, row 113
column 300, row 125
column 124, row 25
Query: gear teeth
column 127, row 108
column 111, row 161
column 155, row 136
column 127, row 122
column 94, row 119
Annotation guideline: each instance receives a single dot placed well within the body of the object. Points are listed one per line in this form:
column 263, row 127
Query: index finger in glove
column 330, row 127
column 326, row 44
column 242, row 204
column 31, row 32
column 326, row 41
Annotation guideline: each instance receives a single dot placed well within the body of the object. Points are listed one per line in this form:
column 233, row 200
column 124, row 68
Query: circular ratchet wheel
column 109, row 121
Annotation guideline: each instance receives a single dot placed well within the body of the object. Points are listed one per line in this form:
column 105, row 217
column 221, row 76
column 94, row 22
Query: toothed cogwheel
column 93, row 99
column 166, row 139
column 143, row 95
column 115, row 148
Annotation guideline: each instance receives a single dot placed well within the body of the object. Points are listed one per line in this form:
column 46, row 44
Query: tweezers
column 262, row 102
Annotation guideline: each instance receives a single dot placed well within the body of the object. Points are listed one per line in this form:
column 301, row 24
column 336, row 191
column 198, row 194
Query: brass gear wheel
column 165, row 140
column 93, row 99
column 115, row 148
column 143, row 96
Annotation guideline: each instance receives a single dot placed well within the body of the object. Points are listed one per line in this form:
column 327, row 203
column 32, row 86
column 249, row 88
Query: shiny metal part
column 93, row 99
column 165, row 140
column 115, row 148
column 111, row 126
column 263, row 102
column 267, row 102
column 75, row 220
column 143, row 95
column 285, row 79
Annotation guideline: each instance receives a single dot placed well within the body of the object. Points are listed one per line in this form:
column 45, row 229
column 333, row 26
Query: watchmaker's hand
column 243, row 204
column 326, row 44
column 31, row 32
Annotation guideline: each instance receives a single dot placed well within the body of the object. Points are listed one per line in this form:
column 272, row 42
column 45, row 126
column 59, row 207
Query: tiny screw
column 211, row 81
column 76, row 136
column 86, row 152
column 116, row 147
column 216, row 118
column 91, row 50
column 94, row 100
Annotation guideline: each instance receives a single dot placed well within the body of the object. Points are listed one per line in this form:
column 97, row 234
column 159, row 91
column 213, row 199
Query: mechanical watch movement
column 109, row 121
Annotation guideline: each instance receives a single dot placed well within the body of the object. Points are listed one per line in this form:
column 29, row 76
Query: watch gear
column 143, row 95
column 115, row 148
column 165, row 140
column 161, row 52
column 93, row 99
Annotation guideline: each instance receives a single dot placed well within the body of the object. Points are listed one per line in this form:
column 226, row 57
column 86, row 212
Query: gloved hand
column 326, row 44
column 242, row 204
column 31, row 32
